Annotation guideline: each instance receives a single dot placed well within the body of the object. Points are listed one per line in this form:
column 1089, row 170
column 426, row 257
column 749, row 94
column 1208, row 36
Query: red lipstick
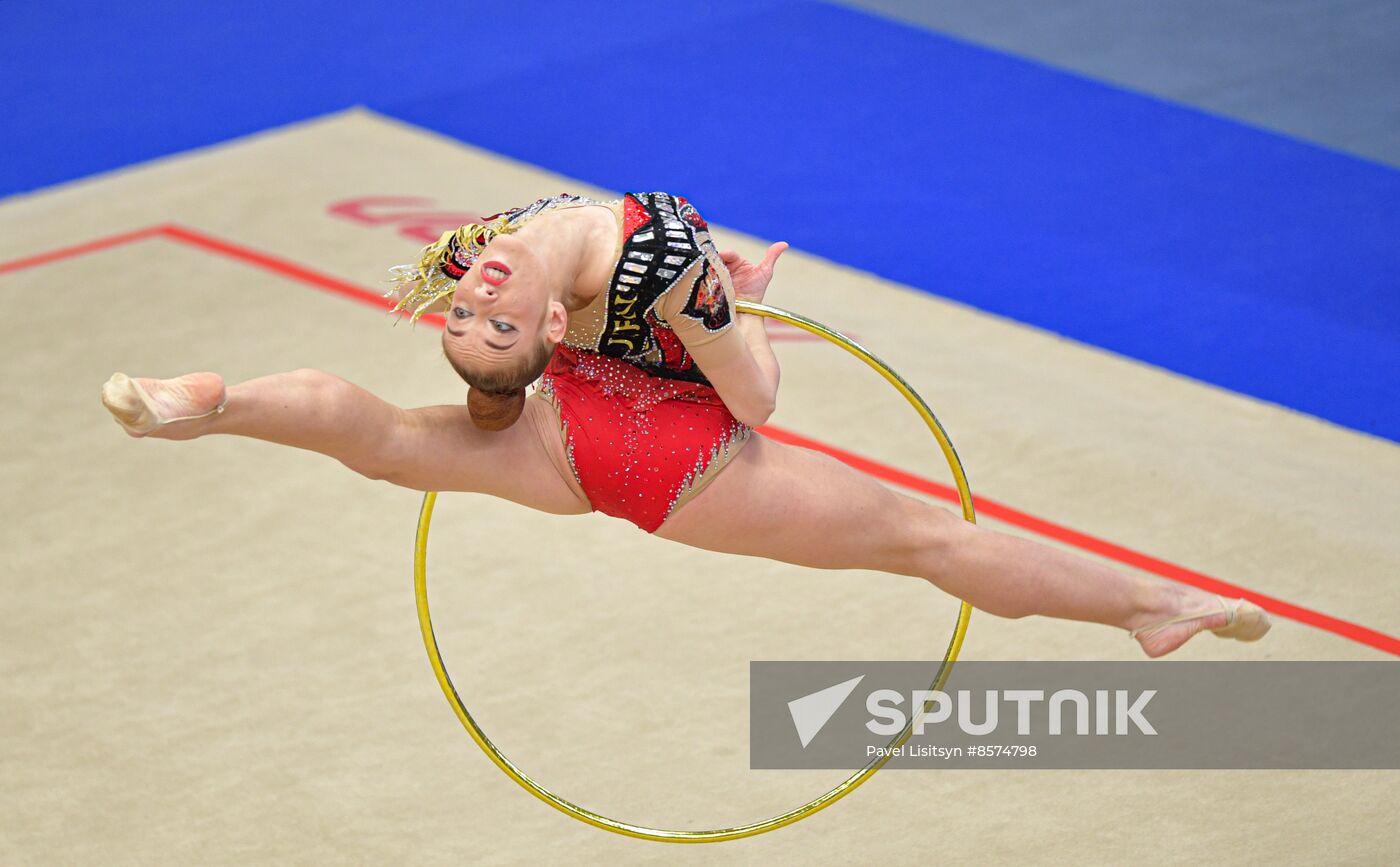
column 494, row 280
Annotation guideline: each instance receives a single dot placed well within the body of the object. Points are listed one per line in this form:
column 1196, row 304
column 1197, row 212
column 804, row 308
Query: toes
column 119, row 398
column 143, row 405
column 123, row 400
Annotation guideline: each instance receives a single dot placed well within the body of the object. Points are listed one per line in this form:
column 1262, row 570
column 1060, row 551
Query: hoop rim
column 846, row 786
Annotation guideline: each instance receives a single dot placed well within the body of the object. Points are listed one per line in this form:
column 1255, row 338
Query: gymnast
column 650, row 385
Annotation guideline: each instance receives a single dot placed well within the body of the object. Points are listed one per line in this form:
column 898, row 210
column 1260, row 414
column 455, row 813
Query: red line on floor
column 985, row 507
column 80, row 249
column 285, row 267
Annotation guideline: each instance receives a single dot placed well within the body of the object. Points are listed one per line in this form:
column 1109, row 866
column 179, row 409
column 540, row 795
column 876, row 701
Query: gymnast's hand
column 750, row 280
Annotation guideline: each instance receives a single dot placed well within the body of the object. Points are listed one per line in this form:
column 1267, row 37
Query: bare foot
column 1234, row 618
column 143, row 406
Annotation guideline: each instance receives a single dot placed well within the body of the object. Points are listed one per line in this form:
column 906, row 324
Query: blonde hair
column 441, row 264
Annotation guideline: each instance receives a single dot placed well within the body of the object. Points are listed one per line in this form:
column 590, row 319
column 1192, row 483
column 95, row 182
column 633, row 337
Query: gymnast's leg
column 432, row 448
column 801, row 506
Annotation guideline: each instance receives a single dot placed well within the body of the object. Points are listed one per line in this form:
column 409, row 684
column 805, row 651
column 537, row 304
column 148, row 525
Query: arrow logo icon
column 811, row 712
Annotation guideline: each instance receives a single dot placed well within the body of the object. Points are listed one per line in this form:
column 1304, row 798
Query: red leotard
column 643, row 428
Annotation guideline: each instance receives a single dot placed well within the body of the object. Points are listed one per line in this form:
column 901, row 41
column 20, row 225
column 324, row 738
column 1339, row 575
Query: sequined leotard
column 643, row 428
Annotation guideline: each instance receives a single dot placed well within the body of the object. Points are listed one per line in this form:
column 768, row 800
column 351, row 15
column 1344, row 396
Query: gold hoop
column 845, row 787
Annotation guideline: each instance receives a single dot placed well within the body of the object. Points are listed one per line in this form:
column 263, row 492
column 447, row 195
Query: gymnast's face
column 503, row 308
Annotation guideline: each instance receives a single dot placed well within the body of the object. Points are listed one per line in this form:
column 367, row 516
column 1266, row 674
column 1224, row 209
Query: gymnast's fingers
column 771, row 257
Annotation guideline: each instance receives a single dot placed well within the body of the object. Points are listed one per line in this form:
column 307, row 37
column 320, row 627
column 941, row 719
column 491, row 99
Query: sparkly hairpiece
column 442, row 264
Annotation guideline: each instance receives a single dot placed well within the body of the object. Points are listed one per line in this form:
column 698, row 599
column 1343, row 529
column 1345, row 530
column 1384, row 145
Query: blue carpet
column 1239, row 257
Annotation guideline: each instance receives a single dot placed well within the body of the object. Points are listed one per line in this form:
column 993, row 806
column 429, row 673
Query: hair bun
column 494, row 411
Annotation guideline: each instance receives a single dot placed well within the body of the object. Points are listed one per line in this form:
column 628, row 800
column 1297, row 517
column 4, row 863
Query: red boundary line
column 284, row 267
column 80, row 249
column 985, row 507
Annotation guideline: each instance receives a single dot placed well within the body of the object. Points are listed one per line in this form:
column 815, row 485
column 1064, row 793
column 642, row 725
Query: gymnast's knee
column 933, row 535
column 317, row 382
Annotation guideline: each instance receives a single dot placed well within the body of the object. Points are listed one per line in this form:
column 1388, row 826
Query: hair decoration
column 441, row 264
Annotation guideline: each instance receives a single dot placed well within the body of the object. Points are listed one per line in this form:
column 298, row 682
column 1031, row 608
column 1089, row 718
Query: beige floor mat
column 210, row 653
